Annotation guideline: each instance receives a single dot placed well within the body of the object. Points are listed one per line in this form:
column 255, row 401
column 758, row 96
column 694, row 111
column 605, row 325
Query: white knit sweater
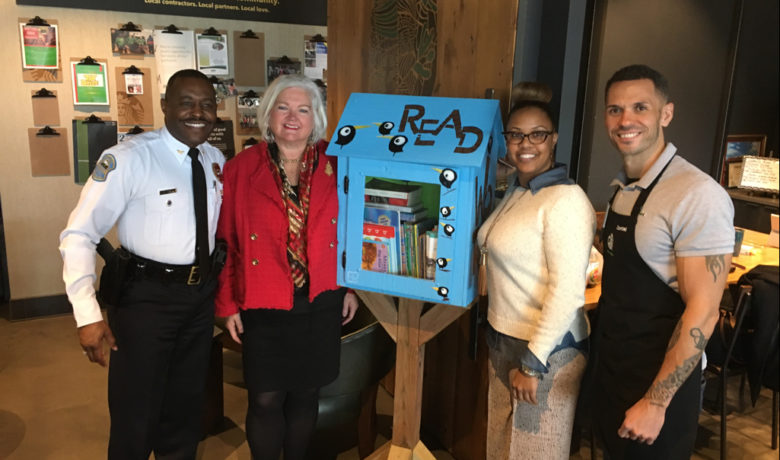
column 538, row 253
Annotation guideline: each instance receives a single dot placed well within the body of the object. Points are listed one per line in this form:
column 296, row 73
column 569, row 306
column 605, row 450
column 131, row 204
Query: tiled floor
column 53, row 405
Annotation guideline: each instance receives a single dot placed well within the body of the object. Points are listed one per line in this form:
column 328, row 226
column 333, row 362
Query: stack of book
column 394, row 228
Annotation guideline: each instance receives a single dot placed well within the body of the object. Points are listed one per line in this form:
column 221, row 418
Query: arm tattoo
column 675, row 336
column 716, row 265
column 699, row 339
column 663, row 391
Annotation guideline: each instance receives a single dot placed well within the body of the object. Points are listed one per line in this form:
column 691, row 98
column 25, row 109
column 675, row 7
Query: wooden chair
column 721, row 364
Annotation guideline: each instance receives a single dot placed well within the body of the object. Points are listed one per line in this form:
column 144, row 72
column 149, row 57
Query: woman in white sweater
column 537, row 243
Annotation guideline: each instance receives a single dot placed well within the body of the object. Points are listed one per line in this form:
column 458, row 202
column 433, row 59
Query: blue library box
column 416, row 178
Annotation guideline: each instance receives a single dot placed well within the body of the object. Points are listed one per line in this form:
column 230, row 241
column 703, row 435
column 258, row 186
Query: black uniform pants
column 157, row 376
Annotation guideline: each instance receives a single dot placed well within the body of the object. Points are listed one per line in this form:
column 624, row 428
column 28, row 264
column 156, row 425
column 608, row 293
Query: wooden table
column 754, row 252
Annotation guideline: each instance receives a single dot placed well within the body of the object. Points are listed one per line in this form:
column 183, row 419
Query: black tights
column 279, row 420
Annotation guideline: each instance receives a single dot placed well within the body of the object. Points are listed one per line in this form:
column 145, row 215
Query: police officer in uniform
column 163, row 190
column 668, row 241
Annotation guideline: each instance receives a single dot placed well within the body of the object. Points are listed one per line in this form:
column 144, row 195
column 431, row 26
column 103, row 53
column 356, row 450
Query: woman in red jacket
column 278, row 289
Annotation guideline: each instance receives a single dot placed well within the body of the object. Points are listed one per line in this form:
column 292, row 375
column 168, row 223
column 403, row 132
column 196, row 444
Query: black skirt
column 293, row 349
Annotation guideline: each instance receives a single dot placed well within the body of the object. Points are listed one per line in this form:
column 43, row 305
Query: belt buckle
column 194, row 277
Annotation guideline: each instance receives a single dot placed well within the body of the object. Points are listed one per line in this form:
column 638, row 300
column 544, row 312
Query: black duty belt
column 165, row 273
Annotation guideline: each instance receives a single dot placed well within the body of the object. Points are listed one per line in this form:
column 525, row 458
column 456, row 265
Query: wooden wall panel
column 474, row 48
column 348, row 38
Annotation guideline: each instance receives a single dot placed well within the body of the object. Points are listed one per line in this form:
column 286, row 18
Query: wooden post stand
column 410, row 330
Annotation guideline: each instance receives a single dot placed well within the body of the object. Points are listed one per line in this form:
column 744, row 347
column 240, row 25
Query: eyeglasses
column 535, row 137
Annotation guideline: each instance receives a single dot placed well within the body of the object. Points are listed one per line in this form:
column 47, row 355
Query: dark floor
column 53, row 405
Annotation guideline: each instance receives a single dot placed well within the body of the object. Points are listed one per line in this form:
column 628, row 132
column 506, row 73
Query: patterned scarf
column 297, row 207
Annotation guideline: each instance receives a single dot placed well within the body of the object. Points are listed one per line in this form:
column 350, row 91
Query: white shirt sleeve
column 100, row 205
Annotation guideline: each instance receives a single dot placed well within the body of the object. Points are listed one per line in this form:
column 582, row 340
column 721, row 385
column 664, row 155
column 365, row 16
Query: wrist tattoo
column 663, row 391
column 716, row 265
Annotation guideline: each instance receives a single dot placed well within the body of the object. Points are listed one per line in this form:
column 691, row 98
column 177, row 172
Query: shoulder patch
column 217, row 171
column 104, row 166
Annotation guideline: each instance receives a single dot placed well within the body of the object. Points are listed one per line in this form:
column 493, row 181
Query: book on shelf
column 382, row 191
column 413, row 234
column 373, row 212
column 380, row 248
column 430, row 243
column 375, row 256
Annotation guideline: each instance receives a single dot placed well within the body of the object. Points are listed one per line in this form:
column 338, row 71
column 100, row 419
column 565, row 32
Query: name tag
column 167, row 191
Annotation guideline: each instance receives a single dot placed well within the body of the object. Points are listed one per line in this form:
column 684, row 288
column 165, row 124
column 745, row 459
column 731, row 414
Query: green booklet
column 90, row 84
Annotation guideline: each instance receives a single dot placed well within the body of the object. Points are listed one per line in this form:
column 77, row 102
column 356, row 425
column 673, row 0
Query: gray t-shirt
column 687, row 214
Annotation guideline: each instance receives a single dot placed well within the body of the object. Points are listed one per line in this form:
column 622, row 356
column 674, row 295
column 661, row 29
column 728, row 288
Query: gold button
column 253, row 236
column 333, row 221
column 331, row 245
column 255, row 262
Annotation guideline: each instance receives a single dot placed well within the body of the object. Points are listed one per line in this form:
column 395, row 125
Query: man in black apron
column 664, row 274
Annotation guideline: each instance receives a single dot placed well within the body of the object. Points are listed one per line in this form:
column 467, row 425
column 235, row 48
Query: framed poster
column 738, row 146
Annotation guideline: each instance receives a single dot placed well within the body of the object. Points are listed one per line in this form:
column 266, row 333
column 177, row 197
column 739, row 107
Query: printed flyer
column 212, row 54
column 39, row 46
column 90, row 85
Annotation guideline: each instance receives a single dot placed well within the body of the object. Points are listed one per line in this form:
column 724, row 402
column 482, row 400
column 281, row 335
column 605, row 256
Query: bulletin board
column 34, row 269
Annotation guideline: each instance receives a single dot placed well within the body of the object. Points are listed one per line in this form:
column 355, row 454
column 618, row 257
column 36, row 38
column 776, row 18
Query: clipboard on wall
column 91, row 137
column 48, row 151
column 42, row 75
column 249, row 58
column 134, row 108
column 46, row 111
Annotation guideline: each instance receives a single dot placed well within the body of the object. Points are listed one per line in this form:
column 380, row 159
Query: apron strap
column 640, row 201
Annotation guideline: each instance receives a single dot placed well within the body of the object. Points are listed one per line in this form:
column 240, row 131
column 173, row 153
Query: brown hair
column 533, row 94
column 530, row 91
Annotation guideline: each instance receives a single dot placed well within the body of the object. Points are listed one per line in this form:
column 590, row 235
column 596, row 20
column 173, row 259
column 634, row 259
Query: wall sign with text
column 310, row 12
